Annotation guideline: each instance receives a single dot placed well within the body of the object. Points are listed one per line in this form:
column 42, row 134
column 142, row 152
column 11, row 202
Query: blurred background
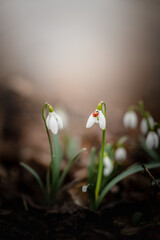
column 73, row 54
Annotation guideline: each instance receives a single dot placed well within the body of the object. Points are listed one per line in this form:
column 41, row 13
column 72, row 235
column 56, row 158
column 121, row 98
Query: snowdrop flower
column 53, row 121
column 120, row 154
column 152, row 140
column 144, row 126
column 130, row 119
column 108, row 166
column 84, row 188
column 64, row 115
column 96, row 117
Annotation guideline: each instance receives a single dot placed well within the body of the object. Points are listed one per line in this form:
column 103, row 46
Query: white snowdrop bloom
column 144, row 126
column 130, row 119
column 120, row 154
column 84, row 188
column 63, row 114
column 152, row 140
column 54, row 122
column 108, row 166
column 96, row 117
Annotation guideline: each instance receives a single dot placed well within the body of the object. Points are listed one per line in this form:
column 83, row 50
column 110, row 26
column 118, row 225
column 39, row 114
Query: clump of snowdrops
column 54, row 177
column 103, row 170
column 149, row 128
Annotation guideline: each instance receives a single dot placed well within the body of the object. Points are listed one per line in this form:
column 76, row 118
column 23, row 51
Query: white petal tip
column 84, row 188
column 90, row 122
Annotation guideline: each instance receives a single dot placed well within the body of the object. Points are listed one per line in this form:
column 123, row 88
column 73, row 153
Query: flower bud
column 99, row 106
column 50, row 108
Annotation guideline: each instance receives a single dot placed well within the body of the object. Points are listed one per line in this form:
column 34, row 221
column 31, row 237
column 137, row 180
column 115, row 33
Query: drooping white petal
column 152, row 140
column 84, row 188
column 50, row 115
column 47, row 121
column 107, row 171
column 64, row 115
column 158, row 131
column 156, row 140
column 59, row 120
column 108, row 166
column 53, row 125
column 102, row 120
column 106, row 161
column 126, row 119
column 96, row 120
column 144, row 126
column 133, row 120
column 91, row 121
column 130, row 119
column 120, row 154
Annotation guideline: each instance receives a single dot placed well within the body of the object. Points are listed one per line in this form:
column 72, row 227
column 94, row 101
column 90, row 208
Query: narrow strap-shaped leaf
column 91, row 166
column 70, row 163
column 48, row 183
column 108, row 149
column 57, row 156
column 56, row 164
column 37, row 177
column 133, row 169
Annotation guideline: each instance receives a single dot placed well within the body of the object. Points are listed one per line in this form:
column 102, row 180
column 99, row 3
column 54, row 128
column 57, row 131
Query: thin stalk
column 144, row 114
column 100, row 170
column 49, row 138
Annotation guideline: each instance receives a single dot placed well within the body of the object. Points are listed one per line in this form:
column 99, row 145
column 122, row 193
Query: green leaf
column 70, row 163
column 91, row 166
column 133, row 169
column 37, row 177
column 108, row 149
column 48, row 184
column 91, row 192
column 72, row 145
column 57, row 157
column 111, row 176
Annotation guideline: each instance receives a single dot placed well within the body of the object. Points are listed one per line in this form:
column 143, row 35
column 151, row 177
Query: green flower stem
column 49, row 138
column 100, row 170
column 50, row 142
column 148, row 123
column 144, row 114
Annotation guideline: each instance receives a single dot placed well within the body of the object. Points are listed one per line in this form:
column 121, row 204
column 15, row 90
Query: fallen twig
column 151, row 176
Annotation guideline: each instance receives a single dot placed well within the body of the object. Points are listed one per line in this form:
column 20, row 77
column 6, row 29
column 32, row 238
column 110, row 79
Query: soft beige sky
column 82, row 51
